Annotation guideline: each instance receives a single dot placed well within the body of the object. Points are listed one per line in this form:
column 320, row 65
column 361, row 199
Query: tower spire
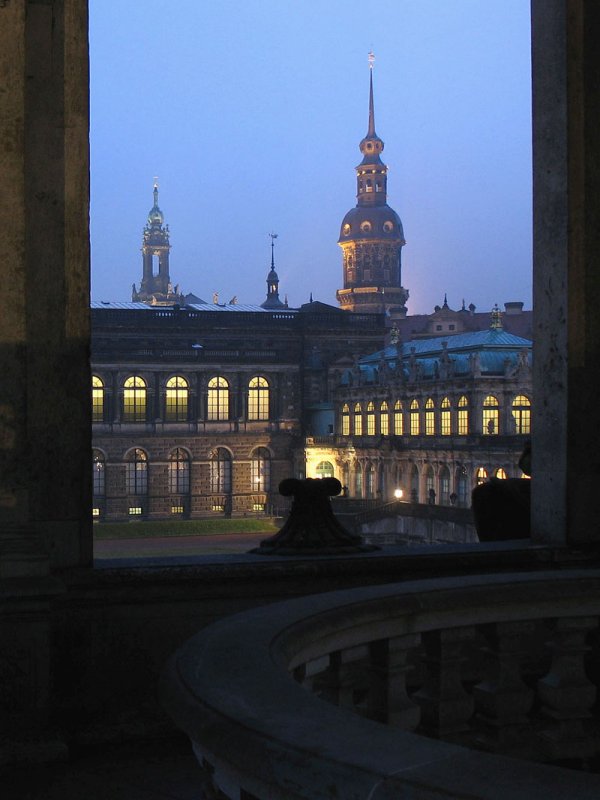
column 272, row 300
column 371, row 131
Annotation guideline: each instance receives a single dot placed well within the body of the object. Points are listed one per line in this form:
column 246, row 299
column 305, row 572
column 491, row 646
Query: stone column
column 45, row 414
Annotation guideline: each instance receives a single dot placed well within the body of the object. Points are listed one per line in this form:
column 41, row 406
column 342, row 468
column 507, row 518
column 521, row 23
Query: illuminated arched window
column 490, row 415
column 357, row 420
column 176, row 400
column 345, row 420
column 444, row 486
column 97, row 399
column 370, row 419
column 463, row 416
column 398, row 419
column 261, row 470
column 137, row 472
column 134, row 399
column 500, row 473
column 98, row 473
column 429, row 417
column 258, row 398
column 521, row 411
column 481, row 475
column 220, row 471
column 445, row 417
column 179, row 472
column 218, row 399
column 415, row 426
column 324, row 469
column 384, row 419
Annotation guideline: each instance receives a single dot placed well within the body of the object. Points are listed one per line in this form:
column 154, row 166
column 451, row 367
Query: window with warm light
column 429, row 417
column 258, row 399
column 345, row 420
column 134, row 399
column 218, row 399
column 415, row 424
column 521, row 411
column 398, row 419
column 463, row 416
column 481, row 475
column 357, row 420
column 324, row 469
column 137, row 472
column 384, row 419
column 97, row 399
column 370, row 419
column 179, row 471
column 176, row 399
column 490, row 415
column 261, row 470
column 501, row 474
column 445, row 417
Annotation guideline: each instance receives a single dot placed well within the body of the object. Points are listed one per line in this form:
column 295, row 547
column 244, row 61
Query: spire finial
column 371, row 131
column 273, row 237
column 155, row 190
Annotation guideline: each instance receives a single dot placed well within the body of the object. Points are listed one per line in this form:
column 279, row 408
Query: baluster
column 353, row 678
column 567, row 694
column 502, row 700
column 446, row 707
column 402, row 712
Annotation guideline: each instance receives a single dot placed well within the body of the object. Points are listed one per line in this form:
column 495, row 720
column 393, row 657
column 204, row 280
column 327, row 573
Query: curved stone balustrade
column 504, row 663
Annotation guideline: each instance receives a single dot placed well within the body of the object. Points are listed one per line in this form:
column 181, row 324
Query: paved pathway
column 169, row 546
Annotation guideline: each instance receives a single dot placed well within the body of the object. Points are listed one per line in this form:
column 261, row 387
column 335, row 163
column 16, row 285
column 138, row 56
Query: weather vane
column 371, row 59
column 156, row 181
column 273, row 236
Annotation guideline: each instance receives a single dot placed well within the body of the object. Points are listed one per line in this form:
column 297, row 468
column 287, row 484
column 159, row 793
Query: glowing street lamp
column 398, row 494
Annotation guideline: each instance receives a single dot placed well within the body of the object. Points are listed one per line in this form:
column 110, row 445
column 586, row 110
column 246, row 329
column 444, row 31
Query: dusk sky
column 250, row 113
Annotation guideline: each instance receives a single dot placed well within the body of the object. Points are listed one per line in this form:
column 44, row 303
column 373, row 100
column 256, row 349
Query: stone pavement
column 156, row 771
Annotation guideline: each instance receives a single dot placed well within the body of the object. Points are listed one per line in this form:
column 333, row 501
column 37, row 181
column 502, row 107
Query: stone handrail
column 239, row 691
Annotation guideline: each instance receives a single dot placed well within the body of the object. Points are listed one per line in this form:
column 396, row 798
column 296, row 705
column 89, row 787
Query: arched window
column 384, row 419
column 430, row 485
column 398, row 419
column 370, row 419
column 179, row 472
column 414, row 484
column 176, row 401
column 461, row 486
column 500, row 473
column 325, row 469
column 97, row 399
column 463, row 416
column 445, row 418
column 490, row 415
column 98, row 474
column 137, row 472
column 429, row 417
column 357, row 420
column 444, row 486
column 261, row 470
column 220, row 471
column 370, row 482
column 358, row 481
column 415, row 426
column 218, row 399
column 345, row 420
column 134, row 399
column 481, row 475
column 258, row 398
column 521, row 411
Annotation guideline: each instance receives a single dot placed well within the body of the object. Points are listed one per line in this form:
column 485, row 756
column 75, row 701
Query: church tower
column 156, row 287
column 371, row 235
column 273, row 300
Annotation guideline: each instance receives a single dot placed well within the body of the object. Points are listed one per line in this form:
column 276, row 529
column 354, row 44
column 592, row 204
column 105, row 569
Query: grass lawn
column 181, row 527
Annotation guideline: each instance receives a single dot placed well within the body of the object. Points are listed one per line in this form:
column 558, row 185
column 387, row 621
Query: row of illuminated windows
column 180, row 467
column 177, row 397
column 369, row 419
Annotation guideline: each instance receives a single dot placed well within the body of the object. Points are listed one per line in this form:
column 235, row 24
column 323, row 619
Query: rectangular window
column 384, row 423
column 415, row 427
column 135, row 511
column 176, row 509
column 429, row 423
column 95, row 512
column 370, row 424
column 463, row 421
column 134, row 405
column 398, row 424
column 345, row 425
column 358, row 425
column 176, row 406
column 97, row 405
column 445, row 423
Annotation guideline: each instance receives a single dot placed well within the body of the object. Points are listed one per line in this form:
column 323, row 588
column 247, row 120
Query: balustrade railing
column 488, row 674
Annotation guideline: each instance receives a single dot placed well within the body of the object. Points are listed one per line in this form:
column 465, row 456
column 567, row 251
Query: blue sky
column 250, row 113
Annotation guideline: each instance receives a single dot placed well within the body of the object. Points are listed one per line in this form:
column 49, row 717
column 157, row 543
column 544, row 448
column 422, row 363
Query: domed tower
column 371, row 235
column 273, row 300
column 156, row 287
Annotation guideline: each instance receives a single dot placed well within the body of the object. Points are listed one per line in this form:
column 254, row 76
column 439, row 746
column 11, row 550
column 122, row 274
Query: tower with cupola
column 155, row 287
column 371, row 236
